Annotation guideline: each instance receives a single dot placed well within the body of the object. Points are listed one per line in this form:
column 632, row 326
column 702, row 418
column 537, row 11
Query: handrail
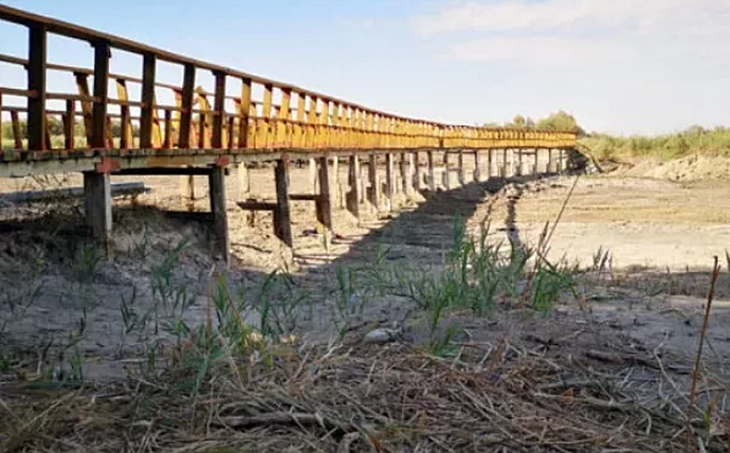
column 302, row 119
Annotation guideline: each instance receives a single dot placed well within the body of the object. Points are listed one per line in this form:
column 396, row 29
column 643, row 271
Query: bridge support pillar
column 353, row 197
column 462, row 175
column 446, row 174
column 477, row 167
column 504, row 163
column 390, row 181
column 519, row 170
column 313, row 174
column 549, row 161
column 535, row 169
column 374, row 189
column 217, row 191
column 244, row 181
column 490, row 163
column 405, row 174
column 282, row 212
column 324, row 201
column 187, row 191
column 431, row 172
column 417, row 181
column 98, row 207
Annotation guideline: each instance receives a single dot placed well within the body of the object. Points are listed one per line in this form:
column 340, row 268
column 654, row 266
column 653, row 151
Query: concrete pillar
column 217, row 193
column 98, row 206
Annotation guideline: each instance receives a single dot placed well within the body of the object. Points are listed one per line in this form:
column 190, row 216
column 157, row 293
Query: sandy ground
column 661, row 236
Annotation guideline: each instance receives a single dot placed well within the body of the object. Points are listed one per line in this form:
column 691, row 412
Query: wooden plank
column 257, row 205
column 477, row 166
column 217, row 188
column 37, row 120
column 116, row 190
column 461, row 175
column 69, row 129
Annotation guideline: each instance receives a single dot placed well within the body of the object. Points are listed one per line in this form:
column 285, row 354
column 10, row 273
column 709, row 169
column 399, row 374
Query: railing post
column 219, row 109
column 102, row 53
column 148, row 99
column 37, row 82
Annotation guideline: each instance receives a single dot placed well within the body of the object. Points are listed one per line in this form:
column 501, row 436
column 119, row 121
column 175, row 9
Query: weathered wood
column 98, row 206
column 353, row 181
column 520, row 169
column 148, row 100
column 417, row 175
column 282, row 212
column 313, row 174
column 490, row 163
column 217, row 193
column 324, row 201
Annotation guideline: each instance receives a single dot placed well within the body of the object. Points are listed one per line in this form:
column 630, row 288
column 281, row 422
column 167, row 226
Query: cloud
column 577, row 32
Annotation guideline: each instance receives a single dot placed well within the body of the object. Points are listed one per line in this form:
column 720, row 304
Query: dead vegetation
column 484, row 361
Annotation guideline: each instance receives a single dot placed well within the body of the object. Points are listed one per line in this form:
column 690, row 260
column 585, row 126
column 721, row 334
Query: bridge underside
column 415, row 169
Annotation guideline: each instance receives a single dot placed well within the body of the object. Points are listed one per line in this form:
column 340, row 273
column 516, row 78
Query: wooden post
column 244, row 181
column 282, row 213
column 549, row 164
column 187, row 191
column 417, row 172
column 335, row 184
column 101, row 84
column 217, row 189
column 535, row 170
column 390, row 181
column 431, row 172
column 412, row 173
column 462, row 176
column 374, row 189
column 518, row 170
column 37, row 82
column 313, row 174
column 98, row 206
column 404, row 174
column 477, row 167
column 445, row 176
column 353, row 181
column 490, row 162
column 324, row 200
column 504, row 163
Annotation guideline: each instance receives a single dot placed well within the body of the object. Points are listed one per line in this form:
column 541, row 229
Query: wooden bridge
column 240, row 121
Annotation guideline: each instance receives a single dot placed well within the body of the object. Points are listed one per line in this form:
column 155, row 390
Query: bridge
column 239, row 121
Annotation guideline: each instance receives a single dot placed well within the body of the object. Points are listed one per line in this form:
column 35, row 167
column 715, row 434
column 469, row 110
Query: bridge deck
column 140, row 124
column 242, row 116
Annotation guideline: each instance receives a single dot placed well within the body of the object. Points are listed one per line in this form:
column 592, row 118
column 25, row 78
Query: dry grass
column 371, row 398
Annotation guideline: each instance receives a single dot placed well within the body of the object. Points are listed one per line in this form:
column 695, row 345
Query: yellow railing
column 209, row 119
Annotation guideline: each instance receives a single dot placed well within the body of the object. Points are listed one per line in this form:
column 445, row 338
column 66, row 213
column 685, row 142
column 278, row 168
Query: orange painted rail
column 206, row 119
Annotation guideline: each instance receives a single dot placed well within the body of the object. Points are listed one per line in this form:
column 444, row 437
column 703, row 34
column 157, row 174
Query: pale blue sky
column 621, row 66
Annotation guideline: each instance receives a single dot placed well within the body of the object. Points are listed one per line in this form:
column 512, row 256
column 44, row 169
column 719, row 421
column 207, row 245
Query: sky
column 619, row 66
